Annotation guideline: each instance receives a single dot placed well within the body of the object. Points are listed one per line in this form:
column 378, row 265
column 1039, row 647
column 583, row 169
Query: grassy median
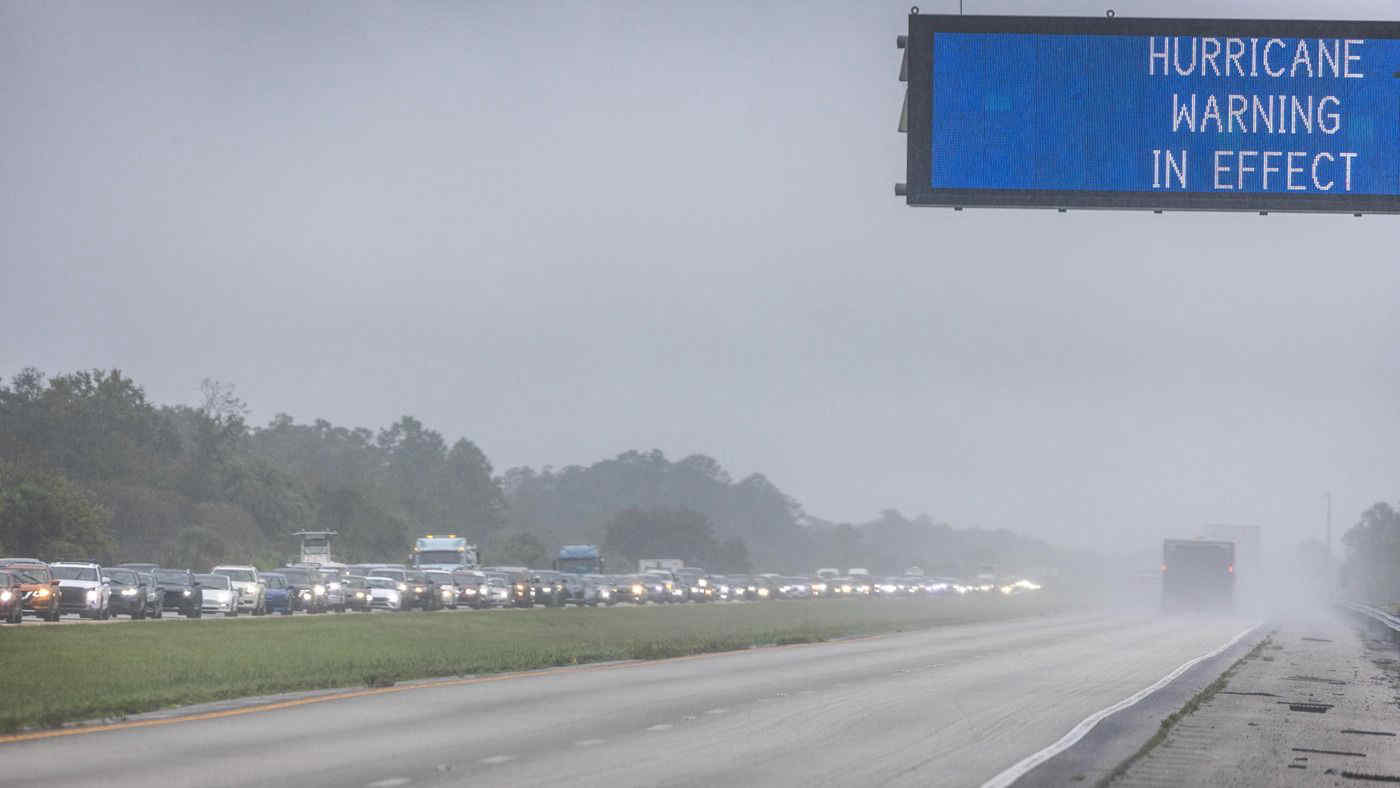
column 50, row 675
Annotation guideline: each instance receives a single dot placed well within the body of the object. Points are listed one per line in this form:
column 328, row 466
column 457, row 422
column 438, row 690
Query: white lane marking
column 587, row 742
column 662, row 726
column 717, row 711
column 389, row 782
column 1021, row 768
column 495, row 759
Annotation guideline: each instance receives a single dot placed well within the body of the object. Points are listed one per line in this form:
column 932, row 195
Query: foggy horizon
column 633, row 227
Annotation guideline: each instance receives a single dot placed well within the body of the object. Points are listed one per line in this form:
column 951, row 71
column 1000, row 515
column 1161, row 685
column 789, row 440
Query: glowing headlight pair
column 188, row 592
column 128, row 592
column 469, row 591
column 41, row 593
column 318, row 589
column 638, row 590
column 334, row 586
column 418, row 589
column 763, row 592
column 304, row 594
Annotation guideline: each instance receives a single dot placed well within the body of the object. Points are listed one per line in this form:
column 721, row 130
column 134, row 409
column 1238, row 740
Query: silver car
column 219, row 594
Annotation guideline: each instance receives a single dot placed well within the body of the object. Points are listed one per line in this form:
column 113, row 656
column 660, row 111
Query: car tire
column 233, row 613
column 286, row 611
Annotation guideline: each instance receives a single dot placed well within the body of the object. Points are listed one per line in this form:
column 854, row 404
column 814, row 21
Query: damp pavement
column 953, row 706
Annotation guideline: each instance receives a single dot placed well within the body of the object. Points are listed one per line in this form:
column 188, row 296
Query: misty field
column 57, row 674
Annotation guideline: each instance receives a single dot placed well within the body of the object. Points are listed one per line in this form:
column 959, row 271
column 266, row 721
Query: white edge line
column 1022, row 767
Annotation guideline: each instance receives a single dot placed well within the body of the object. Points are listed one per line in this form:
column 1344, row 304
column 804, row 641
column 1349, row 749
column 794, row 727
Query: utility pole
column 1329, row 529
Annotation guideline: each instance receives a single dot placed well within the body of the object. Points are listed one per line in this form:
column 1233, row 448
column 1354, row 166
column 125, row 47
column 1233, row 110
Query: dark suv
column 302, row 585
column 128, row 592
column 179, row 591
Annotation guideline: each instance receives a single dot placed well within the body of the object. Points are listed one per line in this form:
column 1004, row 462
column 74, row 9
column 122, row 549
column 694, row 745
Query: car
column 498, row 591
column 595, row 590
column 38, row 588
column 155, row 607
column 735, row 588
column 471, row 587
column 180, row 592
column 549, row 586
column 128, row 592
column 428, row 598
column 217, row 595
column 695, row 584
column 11, row 598
column 252, row 595
column 794, row 588
column 277, row 593
column 154, row 597
column 518, row 582
column 408, row 597
column 307, row 590
column 443, row 587
column 333, row 578
column 81, row 589
column 357, row 596
column 385, row 592
column 663, row 586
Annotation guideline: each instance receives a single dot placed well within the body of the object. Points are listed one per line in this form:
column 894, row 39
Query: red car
column 11, row 599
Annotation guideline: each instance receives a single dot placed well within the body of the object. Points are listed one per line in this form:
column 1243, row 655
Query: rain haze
column 567, row 230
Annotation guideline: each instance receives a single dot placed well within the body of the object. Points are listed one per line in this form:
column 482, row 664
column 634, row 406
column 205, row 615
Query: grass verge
column 1209, row 691
column 58, row 674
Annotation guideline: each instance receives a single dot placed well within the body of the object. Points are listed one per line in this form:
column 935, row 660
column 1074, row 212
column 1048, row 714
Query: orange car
column 36, row 585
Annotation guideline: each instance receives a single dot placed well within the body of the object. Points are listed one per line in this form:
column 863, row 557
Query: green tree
column 518, row 549
column 1373, row 555
column 663, row 533
column 45, row 515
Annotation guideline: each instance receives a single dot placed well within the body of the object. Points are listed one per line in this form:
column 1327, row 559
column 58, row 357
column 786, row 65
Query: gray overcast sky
column 569, row 229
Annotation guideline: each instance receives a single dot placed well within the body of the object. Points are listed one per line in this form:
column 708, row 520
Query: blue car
column 279, row 593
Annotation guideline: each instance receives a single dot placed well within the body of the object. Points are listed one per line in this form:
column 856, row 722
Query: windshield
column 275, row 581
column 124, row 577
column 299, row 577
column 237, row 575
column 29, row 574
column 381, row 582
column 440, row 578
column 397, row 574
column 172, row 576
column 447, row 557
column 74, row 573
column 217, row 582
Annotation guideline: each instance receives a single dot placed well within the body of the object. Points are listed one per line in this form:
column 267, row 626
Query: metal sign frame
column 918, row 189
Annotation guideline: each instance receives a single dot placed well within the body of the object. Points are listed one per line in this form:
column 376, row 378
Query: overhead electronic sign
column 1155, row 114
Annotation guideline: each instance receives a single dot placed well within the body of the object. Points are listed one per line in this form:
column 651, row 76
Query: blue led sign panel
column 1154, row 114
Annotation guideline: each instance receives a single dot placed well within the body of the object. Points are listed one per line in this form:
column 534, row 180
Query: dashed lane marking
column 497, row 759
column 661, row 726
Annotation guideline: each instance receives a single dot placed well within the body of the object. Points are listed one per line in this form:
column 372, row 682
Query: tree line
column 91, row 469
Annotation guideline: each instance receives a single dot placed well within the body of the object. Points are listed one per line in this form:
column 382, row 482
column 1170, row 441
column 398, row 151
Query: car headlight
column 359, row 595
column 334, row 586
column 318, row 589
column 519, row 586
column 6, row 596
column 702, row 582
column 305, row 594
column 41, row 593
column 403, row 587
column 763, row 592
column 469, row 591
column 188, row 592
column 658, row 588
column 418, row 589
column 128, row 592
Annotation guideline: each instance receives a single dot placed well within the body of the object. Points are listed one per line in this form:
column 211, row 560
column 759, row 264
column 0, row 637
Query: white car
column 252, row 592
column 82, row 590
column 219, row 594
column 384, row 593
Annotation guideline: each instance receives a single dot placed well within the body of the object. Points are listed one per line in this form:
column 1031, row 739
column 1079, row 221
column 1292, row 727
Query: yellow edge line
column 288, row 704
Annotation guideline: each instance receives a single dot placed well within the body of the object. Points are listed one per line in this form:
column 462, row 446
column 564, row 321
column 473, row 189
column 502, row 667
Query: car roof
column 76, row 563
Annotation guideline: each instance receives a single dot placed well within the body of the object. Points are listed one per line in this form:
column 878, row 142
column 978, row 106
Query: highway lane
column 952, row 706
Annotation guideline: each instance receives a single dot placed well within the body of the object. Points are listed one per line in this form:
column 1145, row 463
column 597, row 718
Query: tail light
column 1231, row 569
column 1164, row 567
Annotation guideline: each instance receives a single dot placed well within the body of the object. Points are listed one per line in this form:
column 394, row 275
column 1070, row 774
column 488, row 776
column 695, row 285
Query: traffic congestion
column 443, row 573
